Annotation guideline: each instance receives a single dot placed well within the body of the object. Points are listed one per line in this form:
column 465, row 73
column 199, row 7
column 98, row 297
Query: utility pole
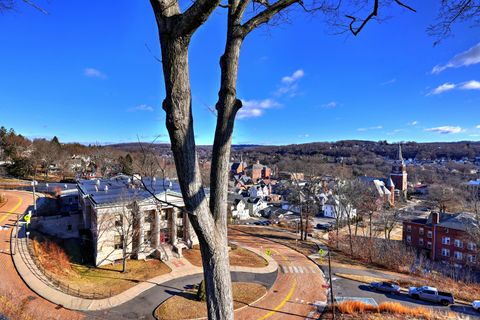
column 34, row 182
column 331, row 285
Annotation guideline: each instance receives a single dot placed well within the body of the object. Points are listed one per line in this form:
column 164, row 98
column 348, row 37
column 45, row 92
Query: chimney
column 435, row 218
column 106, row 189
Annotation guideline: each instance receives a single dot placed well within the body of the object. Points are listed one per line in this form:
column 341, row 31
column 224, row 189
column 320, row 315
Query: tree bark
column 212, row 233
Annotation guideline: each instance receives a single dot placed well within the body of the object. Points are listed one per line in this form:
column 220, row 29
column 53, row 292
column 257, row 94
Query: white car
column 476, row 305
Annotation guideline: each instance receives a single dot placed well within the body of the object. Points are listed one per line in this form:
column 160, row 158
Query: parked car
column 324, row 226
column 389, row 287
column 431, row 294
column 476, row 305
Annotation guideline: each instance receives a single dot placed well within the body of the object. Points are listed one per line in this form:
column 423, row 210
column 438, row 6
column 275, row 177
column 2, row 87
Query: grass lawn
column 186, row 306
column 62, row 262
column 238, row 257
column 287, row 239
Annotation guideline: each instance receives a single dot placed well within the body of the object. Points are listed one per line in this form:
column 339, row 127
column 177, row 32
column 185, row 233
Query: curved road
column 293, row 289
column 10, row 282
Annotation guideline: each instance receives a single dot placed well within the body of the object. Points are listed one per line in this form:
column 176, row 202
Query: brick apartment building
column 443, row 237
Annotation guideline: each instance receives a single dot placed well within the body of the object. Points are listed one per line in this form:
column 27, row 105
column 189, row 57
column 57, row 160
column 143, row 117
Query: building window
column 421, row 231
column 429, row 245
column 445, row 252
column 458, row 255
column 429, row 234
column 458, row 243
column 472, row 246
column 472, row 258
column 409, row 228
column 118, row 242
column 445, row 230
column 69, row 227
column 147, row 236
column 445, row 240
column 118, row 222
column 420, row 242
column 409, row 239
column 149, row 216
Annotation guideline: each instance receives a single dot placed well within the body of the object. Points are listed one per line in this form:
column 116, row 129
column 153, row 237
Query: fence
column 57, row 284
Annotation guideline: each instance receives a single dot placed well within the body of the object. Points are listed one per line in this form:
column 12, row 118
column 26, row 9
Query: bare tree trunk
column 211, row 232
column 301, row 224
column 350, row 240
column 370, row 224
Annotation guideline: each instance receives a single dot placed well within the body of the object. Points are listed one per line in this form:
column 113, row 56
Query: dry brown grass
column 362, row 310
column 107, row 280
column 52, row 257
column 238, row 257
column 185, row 306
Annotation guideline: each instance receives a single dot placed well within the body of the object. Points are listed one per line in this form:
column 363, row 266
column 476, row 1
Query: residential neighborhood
column 240, row 159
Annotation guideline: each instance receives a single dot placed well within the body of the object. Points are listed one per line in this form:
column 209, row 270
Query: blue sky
column 87, row 72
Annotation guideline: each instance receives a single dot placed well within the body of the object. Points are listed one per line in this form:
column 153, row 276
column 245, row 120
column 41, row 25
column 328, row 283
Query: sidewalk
column 37, row 282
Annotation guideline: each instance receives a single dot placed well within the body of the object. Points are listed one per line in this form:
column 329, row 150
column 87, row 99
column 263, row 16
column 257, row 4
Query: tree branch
column 369, row 17
column 267, row 14
column 196, row 15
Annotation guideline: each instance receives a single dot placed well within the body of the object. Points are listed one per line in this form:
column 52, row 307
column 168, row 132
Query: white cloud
column 446, row 129
column 413, row 123
column 94, row 73
column 370, row 128
column 478, row 127
column 290, row 83
column 141, row 107
column 466, row 58
column 470, row 85
column 391, row 81
column 330, row 105
column 255, row 108
column 442, row 88
column 306, row 135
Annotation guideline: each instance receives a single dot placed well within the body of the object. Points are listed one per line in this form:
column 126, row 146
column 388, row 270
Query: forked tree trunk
column 211, row 232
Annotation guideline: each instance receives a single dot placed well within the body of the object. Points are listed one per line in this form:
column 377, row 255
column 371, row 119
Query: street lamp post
column 34, row 183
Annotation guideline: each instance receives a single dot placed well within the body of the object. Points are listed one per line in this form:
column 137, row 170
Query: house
column 260, row 190
column 238, row 168
column 285, row 175
column 333, row 209
column 255, row 205
column 238, row 207
column 443, row 237
column 121, row 208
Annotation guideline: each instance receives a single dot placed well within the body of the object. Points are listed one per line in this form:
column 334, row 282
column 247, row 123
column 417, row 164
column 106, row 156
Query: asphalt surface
column 143, row 306
column 350, row 288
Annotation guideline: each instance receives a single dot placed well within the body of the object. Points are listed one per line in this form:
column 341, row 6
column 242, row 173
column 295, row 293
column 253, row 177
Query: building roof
column 122, row 189
column 458, row 221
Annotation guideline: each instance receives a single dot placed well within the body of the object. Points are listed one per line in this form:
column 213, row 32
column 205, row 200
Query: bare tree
column 389, row 218
column 6, row 5
column 209, row 215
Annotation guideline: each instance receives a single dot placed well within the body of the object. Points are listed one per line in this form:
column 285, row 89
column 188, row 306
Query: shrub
column 202, row 293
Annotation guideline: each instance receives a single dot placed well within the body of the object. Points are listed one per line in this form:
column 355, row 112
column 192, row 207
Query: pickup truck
column 431, row 294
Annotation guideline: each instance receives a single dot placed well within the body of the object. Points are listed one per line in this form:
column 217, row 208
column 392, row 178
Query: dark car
column 388, row 287
column 324, row 226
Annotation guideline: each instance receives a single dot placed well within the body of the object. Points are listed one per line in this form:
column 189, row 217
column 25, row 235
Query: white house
column 238, row 207
column 259, row 191
column 255, row 205
column 333, row 209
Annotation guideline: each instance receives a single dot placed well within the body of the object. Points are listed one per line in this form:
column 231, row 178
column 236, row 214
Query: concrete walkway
column 39, row 283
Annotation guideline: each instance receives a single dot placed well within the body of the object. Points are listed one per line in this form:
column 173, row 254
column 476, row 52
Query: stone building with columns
column 121, row 218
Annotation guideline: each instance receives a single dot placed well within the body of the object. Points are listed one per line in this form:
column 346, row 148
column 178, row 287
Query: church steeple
column 400, row 155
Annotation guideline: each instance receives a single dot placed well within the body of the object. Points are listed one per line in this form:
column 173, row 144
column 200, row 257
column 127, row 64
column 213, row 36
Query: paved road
column 143, row 306
column 11, row 283
column 349, row 288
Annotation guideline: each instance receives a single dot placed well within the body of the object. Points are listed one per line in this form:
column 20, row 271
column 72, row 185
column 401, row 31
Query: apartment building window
column 445, row 230
column 445, row 240
column 458, row 255
column 472, row 258
column 409, row 239
column 421, row 231
column 458, row 243
column 118, row 242
column 420, row 242
column 429, row 245
column 472, row 246
column 147, row 236
column 429, row 234
column 409, row 228
column 445, row 252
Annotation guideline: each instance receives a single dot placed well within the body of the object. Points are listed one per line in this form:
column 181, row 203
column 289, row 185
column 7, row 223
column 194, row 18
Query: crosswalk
column 299, row 269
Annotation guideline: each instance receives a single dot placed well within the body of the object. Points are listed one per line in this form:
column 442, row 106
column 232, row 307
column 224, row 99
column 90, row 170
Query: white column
column 173, row 226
